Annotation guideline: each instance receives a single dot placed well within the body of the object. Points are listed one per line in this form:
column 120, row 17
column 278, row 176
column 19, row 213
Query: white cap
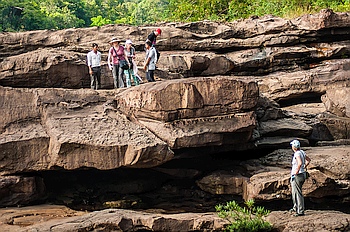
column 295, row 143
column 128, row 41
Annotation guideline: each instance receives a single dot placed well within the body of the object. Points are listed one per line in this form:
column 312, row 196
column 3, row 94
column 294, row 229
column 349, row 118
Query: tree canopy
column 23, row 15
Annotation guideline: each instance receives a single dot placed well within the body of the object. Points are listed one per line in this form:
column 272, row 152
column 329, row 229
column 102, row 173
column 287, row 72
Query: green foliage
column 21, row 15
column 195, row 10
column 99, row 21
column 282, row 8
column 244, row 219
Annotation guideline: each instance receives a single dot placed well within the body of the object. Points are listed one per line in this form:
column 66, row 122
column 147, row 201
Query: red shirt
column 117, row 56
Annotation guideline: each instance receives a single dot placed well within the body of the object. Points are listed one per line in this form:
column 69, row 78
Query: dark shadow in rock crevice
column 308, row 97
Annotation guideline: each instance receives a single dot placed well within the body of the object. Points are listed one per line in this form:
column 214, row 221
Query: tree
column 21, row 15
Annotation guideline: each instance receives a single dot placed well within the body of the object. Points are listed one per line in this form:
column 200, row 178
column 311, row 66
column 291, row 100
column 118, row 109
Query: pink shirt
column 117, row 56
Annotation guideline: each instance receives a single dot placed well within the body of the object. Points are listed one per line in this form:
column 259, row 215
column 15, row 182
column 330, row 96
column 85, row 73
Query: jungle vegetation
column 25, row 15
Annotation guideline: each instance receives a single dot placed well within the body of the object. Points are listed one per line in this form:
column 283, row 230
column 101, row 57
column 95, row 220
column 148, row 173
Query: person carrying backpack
column 298, row 175
column 130, row 56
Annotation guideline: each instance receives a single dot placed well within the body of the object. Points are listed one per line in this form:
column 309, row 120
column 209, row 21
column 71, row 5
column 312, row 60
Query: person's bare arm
column 307, row 160
column 147, row 63
column 109, row 61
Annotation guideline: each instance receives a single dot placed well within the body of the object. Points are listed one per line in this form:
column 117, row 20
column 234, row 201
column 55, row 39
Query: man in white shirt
column 94, row 64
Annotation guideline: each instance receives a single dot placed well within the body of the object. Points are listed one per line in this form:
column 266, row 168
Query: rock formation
column 216, row 125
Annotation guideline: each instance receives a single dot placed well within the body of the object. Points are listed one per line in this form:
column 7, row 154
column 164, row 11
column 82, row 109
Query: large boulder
column 71, row 129
column 189, row 98
column 194, row 112
column 305, row 84
column 337, row 126
column 337, row 101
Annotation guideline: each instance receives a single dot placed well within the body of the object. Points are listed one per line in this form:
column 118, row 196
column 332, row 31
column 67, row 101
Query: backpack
column 158, row 55
column 307, row 174
column 132, row 52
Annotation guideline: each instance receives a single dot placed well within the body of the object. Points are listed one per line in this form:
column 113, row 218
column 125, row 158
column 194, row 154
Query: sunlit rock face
column 71, row 129
column 228, row 100
column 194, row 112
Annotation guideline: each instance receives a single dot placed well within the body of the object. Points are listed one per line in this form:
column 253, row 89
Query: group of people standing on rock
column 122, row 62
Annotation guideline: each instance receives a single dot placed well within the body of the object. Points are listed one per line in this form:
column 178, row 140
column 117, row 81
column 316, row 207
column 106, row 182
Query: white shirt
column 94, row 59
column 151, row 53
column 301, row 154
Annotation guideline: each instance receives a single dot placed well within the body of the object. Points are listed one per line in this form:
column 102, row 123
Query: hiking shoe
column 298, row 214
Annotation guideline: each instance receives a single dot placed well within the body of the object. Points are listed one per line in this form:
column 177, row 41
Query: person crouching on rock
column 299, row 163
column 116, row 54
column 150, row 61
column 94, row 64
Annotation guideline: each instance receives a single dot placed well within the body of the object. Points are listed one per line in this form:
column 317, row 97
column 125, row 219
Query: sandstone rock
column 337, row 101
column 222, row 182
column 46, row 68
column 310, row 113
column 304, row 110
column 277, row 142
column 194, row 112
column 17, row 219
column 55, row 58
column 325, row 19
column 23, row 145
column 190, row 98
column 40, row 218
column 283, row 126
column 303, row 84
column 19, row 190
column 312, row 221
column 326, row 178
column 268, row 110
column 127, row 220
column 337, row 126
column 207, row 131
column 71, row 129
column 287, row 64
column 103, row 139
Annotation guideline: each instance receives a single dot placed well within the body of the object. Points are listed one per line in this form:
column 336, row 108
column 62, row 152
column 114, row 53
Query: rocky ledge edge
column 61, row 218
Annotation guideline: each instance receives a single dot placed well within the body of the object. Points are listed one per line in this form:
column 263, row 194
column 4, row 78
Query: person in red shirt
column 116, row 54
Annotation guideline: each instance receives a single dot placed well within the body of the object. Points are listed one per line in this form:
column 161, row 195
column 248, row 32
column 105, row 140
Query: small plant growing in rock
column 244, row 219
